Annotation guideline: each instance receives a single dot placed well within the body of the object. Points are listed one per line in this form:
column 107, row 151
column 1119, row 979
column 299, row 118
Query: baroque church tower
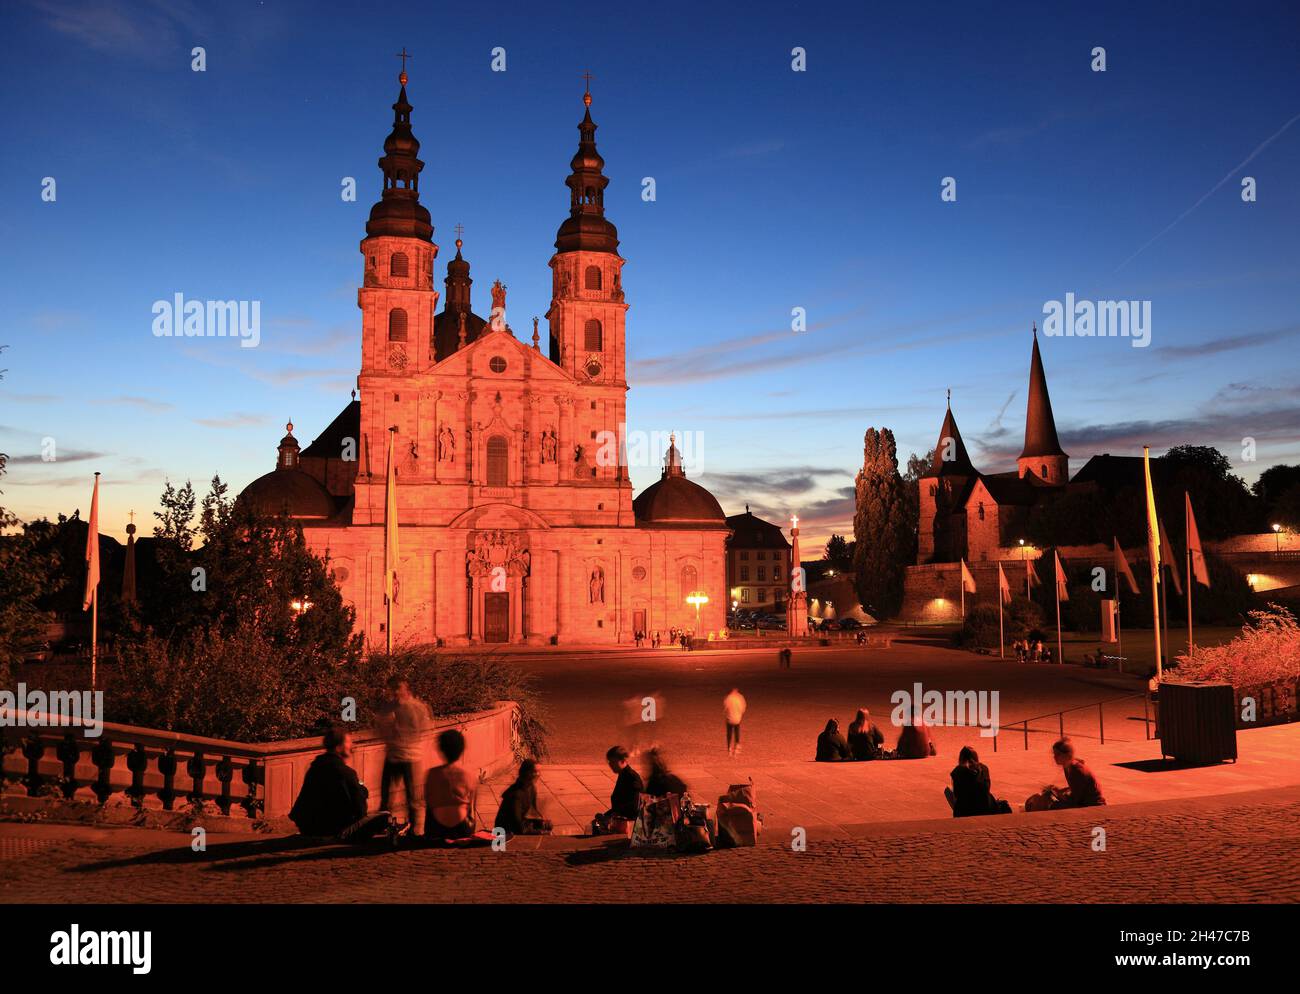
column 587, row 316
column 398, row 306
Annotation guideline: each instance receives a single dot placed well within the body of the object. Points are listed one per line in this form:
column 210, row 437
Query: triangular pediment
column 518, row 357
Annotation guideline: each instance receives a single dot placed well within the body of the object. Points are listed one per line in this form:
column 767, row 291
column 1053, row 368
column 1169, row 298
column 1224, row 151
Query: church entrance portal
column 496, row 617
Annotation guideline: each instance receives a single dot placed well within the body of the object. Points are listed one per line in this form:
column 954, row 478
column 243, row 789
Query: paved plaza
column 878, row 831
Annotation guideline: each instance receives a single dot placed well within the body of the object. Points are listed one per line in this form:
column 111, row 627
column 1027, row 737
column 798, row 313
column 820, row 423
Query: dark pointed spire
column 586, row 227
column 399, row 212
column 1040, row 425
column 950, row 455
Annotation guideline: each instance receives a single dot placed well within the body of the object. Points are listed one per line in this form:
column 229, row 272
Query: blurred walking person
column 733, row 710
column 403, row 725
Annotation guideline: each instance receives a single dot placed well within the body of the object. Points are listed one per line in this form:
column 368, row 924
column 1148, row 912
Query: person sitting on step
column 333, row 800
column 831, row 746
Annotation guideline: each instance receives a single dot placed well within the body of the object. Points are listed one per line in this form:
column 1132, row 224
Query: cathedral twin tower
column 513, row 530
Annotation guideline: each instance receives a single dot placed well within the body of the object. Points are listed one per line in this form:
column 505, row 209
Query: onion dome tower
column 587, row 315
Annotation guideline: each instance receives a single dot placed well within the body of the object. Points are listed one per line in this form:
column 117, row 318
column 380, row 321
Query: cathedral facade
column 517, row 522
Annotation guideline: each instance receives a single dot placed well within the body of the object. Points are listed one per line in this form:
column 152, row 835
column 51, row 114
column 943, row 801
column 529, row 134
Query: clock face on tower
column 593, row 367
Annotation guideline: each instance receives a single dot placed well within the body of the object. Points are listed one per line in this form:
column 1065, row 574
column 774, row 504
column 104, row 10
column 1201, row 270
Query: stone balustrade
column 167, row 771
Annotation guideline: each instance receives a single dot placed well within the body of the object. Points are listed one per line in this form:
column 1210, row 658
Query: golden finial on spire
column 403, row 55
column 289, row 427
column 460, row 230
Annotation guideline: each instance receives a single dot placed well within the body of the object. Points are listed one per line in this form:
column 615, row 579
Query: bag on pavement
column 656, row 821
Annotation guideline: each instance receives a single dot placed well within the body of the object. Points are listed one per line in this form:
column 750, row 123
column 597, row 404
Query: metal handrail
column 1060, row 717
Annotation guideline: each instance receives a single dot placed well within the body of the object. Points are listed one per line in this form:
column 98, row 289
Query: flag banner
column 967, row 578
column 1004, row 588
column 1062, row 592
column 390, row 526
column 1031, row 573
column 92, row 549
column 1123, row 569
column 1153, row 522
column 1199, row 568
column 1171, row 559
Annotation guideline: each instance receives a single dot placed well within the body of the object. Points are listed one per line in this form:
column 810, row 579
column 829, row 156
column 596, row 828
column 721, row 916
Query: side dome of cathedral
column 288, row 489
column 675, row 501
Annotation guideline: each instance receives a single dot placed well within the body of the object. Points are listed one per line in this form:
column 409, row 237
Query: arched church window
column 1044, row 473
column 592, row 278
column 397, row 325
column 498, row 461
column 592, row 336
column 981, row 510
column 690, row 581
column 397, row 266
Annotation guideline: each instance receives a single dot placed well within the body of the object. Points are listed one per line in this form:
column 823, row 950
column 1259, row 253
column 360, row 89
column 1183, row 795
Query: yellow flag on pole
column 390, row 525
column 92, row 549
column 1004, row 588
column 967, row 578
column 1062, row 589
column 1153, row 543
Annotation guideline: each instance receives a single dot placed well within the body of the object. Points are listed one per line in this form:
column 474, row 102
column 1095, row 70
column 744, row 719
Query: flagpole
column 1164, row 604
column 1119, row 629
column 94, row 634
column 1153, row 553
column 1187, row 526
column 1002, row 637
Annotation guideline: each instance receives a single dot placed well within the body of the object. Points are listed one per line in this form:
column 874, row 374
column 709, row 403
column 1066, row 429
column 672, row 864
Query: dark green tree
column 884, row 526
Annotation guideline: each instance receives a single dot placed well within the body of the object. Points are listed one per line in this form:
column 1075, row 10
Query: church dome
column 289, row 491
column 677, row 502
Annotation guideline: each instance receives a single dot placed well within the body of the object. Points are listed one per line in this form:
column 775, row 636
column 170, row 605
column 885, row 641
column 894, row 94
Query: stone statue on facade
column 596, row 586
column 446, row 445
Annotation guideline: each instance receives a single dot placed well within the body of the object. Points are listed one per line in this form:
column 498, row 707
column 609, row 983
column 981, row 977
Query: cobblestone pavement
column 1234, row 848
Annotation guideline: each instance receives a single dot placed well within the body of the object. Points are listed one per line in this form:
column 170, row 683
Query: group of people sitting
column 1031, row 651
column 333, row 801
column 625, row 800
column 865, row 741
column 971, row 792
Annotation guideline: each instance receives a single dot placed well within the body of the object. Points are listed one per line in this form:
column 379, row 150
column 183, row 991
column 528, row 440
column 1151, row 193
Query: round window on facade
column 593, row 368
column 497, row 364
column 638, row 573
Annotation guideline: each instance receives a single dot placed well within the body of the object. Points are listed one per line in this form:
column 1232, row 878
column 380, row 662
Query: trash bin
column 1197, row 721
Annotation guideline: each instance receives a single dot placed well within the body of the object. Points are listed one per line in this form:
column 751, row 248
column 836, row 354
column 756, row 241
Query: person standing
column 403, row 725
column 733, row 710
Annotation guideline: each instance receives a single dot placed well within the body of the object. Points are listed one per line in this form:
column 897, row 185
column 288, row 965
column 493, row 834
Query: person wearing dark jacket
column 831, row 747
column 1082, row 788
column 625, row 801
column 865, row 739
column 971, row 791
column 519, row 801
column 332, row 802
column 662, row 780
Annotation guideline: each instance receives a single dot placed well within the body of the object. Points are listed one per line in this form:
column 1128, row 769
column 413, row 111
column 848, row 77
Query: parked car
column 770, row 623
column 849, row 624
column 829, row 625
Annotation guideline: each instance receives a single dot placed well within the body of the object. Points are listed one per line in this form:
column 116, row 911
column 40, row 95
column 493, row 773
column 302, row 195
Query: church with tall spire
column 966, row 514
column 516, row 511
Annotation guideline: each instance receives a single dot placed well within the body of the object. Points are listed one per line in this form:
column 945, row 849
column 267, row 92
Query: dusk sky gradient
column 775, row 190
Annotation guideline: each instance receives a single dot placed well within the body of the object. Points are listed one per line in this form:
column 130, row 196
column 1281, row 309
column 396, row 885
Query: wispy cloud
column 1229, row 343
column 144, row 403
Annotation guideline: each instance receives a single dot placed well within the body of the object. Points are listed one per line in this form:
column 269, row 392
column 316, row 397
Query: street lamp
column 1277, row 538
column 697, row 598
column 298, row 607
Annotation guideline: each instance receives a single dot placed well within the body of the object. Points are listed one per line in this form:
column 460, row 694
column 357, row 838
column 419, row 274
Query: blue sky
column 775, row 190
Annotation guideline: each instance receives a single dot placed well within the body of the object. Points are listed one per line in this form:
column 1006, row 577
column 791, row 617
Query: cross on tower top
column 403, row 55
column 794, row 521
column 460, row 230
column 588, row 77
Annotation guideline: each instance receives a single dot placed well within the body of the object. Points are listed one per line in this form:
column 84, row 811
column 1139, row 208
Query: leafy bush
column 1266, row 651
column 242, row 685
column 1020, row 618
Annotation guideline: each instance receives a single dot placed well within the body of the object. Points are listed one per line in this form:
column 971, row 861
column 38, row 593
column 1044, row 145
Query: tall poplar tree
column 884, row 527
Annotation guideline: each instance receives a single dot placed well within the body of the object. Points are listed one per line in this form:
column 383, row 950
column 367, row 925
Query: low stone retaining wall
column 162, row 771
